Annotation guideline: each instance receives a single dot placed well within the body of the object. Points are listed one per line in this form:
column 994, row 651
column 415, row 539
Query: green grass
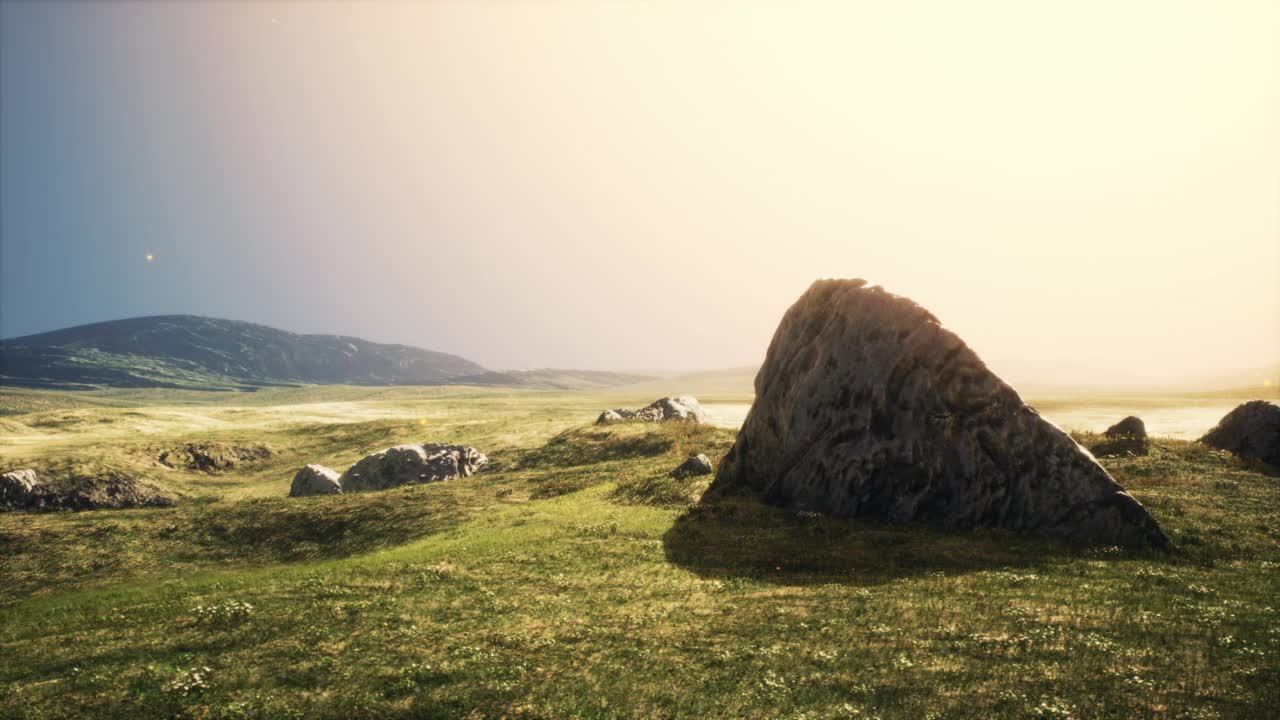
column 574, row 579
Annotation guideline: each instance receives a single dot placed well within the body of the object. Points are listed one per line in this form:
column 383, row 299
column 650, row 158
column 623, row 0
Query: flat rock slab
column 865, row 406
column 1251, row 431
column 404, row 464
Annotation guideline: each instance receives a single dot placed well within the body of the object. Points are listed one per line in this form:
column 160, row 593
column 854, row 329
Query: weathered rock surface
column 1251, row 431
column 865, row 406
column 81, row 492
column 696, row 465
column 679, row 409
column 315, row 480
column 16, row 485
column 211, row 457
column 403, row 464
column 1131, row 428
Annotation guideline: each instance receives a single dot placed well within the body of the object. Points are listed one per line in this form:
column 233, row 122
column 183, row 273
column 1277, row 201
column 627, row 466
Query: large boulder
column 1251, row 431
column 667, row 409
column 865, row 406
column 315, row 480
column 404, row 464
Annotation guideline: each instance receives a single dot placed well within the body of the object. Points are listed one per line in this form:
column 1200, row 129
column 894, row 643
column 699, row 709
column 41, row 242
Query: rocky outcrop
column 679, row 409
column 865, row 406
column 406, row 464
column 315, row 480
column 211, row 457
column 80, row 492
column 696, row 465
column 1251, row 431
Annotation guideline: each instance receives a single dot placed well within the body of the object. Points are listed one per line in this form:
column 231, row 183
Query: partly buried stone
column 16, row 486
column 80, row 492
column 1130, row 428
column 1251, row 431
column 1127, row 437
column 315, row 480
column 696, row 465
column 679, row 409
column 404, row 464
column 865, row 406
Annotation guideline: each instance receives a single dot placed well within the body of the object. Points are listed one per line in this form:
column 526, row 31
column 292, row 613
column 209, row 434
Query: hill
column 193, row 352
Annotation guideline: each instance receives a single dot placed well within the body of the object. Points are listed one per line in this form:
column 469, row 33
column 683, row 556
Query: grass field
column 573, row 579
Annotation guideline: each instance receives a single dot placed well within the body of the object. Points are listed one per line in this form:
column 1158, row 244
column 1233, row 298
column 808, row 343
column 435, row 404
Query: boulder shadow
column 740, row 537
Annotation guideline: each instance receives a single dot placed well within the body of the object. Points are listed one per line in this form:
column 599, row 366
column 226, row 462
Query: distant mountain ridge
column 195, row 352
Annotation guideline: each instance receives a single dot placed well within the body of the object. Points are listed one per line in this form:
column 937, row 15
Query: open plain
column 573, row 577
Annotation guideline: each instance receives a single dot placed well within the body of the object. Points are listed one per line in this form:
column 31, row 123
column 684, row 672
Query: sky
column 1086, row 192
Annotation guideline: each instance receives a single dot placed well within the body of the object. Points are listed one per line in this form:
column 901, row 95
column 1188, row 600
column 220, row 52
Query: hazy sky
column 1082, row 190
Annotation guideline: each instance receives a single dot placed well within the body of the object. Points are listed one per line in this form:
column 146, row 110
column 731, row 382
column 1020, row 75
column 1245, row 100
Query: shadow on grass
column 739, row 537
column 595, row 444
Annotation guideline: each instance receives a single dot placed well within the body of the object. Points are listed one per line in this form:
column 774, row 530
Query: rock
column 211, row 457
column 405, row 464
column 1130, row 428
column 1251, row 431
column 1127, row 437
column 865, row 406
column 88, row 492
column 16, row 486
column 679, row 409
column 696, row 465
column 315, row 480
column 615, row 415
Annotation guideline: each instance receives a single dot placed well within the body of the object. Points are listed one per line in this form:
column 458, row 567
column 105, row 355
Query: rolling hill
column 193, row 352
column 200, row 353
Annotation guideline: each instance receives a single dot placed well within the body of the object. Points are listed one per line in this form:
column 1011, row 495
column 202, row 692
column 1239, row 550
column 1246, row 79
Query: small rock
column 16, row 486
column 404, row 464
column 315, row 480
column 1251, row 431
column 696, row 465
column 1130, row 428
